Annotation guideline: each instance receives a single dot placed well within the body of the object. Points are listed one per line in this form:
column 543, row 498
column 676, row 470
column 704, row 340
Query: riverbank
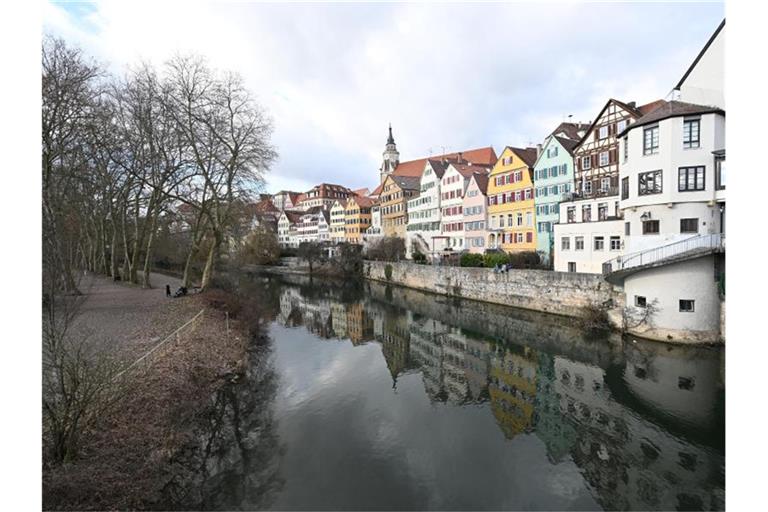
column 129, row 458
column 587, row 297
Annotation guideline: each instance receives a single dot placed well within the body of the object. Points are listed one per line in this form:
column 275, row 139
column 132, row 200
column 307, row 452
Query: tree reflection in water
column 234, row 461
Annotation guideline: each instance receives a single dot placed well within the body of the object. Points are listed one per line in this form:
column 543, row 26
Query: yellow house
column 357, row 218
column 511, row 209
column 394, row 196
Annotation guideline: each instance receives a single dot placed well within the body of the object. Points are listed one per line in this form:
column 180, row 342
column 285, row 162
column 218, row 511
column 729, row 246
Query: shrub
column 472, row 260
column 259, row 248
column 388, row 272
column 349, row 259
column 525, row 259
column 388, row 248
column 595, row 318
column 419, row 257
column 491, row 259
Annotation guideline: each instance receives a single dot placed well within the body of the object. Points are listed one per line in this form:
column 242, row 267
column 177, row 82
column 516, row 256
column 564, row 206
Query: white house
column 373, row 233
column 423, row 230
column 338, row 221
column 672, row 174
column 287, row 233
column 589, row 233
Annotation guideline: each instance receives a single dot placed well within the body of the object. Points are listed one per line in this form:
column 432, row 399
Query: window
column 571, row 266
column 603, row 132
column 605, row 184
column 602, row 211
column 690, row 179
column 689, row 225
column 586, row 162
column 571, row 214
column 640, row 301
column 599, row 243
column 650, row 227
column 565, row 243
column 579, row 243
column 686, row 305
column 586, row 213
column 620, row 126
column 651, row 140
column 625, row 143
column 604, row 158
column 625, row 188
column 626, row 229
column 649, row 183
column 587, row 187
column 615, row 243
column 720, row 173
column 691, row 133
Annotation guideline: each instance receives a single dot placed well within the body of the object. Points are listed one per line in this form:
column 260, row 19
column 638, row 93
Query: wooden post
column 227, row 320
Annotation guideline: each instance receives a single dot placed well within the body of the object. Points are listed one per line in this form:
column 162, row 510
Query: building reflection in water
column 642, row 421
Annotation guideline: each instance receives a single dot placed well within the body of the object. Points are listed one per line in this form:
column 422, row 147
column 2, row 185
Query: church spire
column 391, row 157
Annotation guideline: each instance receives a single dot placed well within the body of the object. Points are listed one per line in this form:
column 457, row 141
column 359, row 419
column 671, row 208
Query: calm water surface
column 386, row 398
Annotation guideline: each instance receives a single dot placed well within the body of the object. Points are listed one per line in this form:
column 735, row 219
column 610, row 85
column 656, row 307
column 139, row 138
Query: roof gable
column 700, row 55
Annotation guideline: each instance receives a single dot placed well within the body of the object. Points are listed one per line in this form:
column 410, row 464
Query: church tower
column 391, row 157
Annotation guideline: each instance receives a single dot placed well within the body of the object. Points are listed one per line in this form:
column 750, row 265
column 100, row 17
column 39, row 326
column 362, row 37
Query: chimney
column 538, row 150
column 460, row 154
column 632, row 104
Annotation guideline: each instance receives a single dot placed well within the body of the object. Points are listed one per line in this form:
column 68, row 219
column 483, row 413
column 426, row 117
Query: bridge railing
column 656, row 254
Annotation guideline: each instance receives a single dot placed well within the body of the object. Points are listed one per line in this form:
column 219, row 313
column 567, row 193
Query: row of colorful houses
column 637, row 194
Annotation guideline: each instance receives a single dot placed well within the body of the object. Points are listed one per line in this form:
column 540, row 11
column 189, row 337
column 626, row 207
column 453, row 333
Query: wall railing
column 714, row 241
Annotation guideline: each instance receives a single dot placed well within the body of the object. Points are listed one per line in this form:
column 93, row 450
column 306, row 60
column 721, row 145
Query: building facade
column 553, row 179
column 476, row 213
column 323, row 195
column 395, row 193
column 357, row 218
column 374, row 232
column 452, row 191
column 338, row 221
column 511, row 216
column 588, row 234
column 287, row 229
column 423, row 230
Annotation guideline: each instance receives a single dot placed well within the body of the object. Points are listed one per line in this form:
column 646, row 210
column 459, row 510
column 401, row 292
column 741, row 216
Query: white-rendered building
column 373, row 233
column 673, row 201
column 287, row 232
column 338, row 221
column 423, row 230
column 588, row 234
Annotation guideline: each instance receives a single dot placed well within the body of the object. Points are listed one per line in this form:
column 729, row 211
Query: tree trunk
column 209, row 263
column 113, row 253
column 148, row 256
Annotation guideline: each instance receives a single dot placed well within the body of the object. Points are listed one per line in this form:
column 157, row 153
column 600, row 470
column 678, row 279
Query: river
column 377, row 397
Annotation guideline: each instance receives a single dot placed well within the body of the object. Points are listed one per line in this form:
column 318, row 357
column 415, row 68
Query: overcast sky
column 452, row 76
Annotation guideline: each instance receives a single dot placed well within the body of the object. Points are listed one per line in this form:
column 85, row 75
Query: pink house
column 475, row 213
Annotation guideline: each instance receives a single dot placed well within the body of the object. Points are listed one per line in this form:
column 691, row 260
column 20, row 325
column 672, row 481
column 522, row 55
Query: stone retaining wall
column 562, row 293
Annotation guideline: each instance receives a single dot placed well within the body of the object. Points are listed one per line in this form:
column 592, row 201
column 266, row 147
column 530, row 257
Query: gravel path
column 114, row 315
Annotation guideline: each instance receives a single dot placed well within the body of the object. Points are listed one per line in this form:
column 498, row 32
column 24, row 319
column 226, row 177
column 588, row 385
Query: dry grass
column 126, row 461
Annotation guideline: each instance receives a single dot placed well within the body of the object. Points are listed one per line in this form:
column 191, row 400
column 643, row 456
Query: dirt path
column 119, row 316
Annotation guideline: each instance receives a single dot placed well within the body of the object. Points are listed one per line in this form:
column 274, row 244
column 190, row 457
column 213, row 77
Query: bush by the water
column 523, row 259
column 419, row 257
column 389, row 248
column 472, row 260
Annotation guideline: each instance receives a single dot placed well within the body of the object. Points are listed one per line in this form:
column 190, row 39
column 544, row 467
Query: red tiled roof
column 414, row 168
column 361, row 191
column 482, row 182
column 362, row 201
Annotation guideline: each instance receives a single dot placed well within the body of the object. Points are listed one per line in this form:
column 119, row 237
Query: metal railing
column 175, row 335
column 712, row 241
